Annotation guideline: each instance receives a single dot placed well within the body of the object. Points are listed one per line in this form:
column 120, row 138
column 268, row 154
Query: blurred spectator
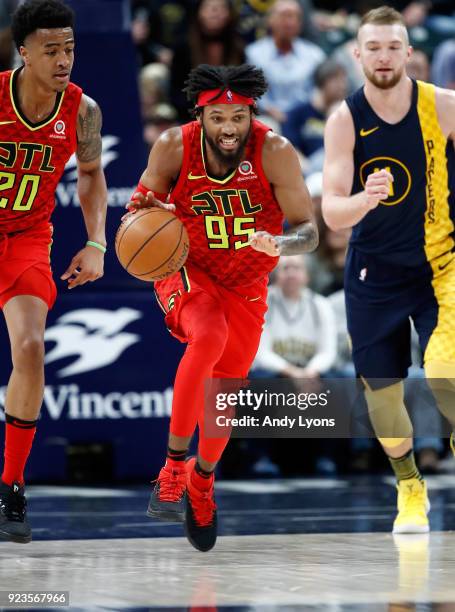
column 162, row 117
column 433, row 15
column 287, row 60
column 314, row 186
column 212, row 39
column 6, row 40
column 343, row 366
column 344, row 55
column 252, row 23
column 299, row 338
column 153, row 87
column 415, row 12
column 305, row 122
column 158, row 26
column 298, row 342
column 327, row 264
column 442, row 22
column 418, row 66
column 443, row 67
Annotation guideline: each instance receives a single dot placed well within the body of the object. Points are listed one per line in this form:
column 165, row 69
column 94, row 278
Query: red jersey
column 32, row 155
column 220, row 214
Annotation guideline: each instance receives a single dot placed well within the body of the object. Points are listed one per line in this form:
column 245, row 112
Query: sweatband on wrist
column 144, row 191
column 97, row 245
column 141, row 189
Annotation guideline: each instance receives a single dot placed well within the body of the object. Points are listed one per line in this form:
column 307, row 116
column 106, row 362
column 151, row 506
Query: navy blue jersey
column 415, row 225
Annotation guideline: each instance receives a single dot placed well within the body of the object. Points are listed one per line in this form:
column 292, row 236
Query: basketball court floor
column 316, row 545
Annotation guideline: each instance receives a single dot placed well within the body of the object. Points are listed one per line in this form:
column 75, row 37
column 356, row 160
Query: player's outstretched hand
column 377, row 188
column 265, row 243
column 86, row 266
column 139, row 200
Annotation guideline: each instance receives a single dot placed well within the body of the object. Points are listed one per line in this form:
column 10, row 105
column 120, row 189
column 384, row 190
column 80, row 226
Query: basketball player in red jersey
column 44, row 119
column 230, row 181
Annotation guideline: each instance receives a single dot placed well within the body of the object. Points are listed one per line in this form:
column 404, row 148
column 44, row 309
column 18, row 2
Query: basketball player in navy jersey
column 388, row 168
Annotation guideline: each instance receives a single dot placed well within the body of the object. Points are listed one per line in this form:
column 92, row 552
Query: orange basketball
column 152, row 244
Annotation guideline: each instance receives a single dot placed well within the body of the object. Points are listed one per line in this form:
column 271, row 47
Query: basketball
column 151, row 244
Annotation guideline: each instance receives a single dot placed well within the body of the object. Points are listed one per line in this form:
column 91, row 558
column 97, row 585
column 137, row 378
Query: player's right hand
column 377, row 188
column 139, row 200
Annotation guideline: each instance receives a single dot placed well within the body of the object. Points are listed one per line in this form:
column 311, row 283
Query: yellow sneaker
column 452, row 443
column 413, row 507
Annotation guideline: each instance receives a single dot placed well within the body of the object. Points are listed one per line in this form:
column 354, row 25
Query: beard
column 229, row 158
column 386, row 83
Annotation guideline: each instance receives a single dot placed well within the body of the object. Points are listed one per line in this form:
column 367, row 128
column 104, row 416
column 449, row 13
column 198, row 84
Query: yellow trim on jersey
column 23, row 119
column 219, row 181
column 438, row 224
column 185, row 279
column 438, row 227
column 159, row 302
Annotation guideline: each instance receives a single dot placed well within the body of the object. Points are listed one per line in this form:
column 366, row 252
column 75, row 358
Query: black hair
column 245, row 80
column 36, row 14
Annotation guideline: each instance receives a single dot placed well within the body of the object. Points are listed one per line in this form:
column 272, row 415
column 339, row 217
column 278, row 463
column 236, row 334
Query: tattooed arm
column 282, row 169
column 91, row 184
column 87, row 264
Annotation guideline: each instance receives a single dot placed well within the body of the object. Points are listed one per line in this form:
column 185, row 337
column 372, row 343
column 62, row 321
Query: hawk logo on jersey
column 402, row 180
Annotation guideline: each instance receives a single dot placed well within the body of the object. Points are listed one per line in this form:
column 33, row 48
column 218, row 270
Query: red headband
column 217, row 96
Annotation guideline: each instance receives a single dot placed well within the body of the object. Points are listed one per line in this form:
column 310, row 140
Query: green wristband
column 97, row 245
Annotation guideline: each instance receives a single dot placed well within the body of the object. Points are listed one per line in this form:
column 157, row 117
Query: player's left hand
column 265, row 243
column 86, row 266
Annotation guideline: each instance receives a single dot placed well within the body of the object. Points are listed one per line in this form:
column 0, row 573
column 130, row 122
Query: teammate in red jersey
column 44, row 119
column 230, row 180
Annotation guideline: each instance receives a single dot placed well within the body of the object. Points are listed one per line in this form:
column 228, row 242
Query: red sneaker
column 200, row 516
column 167, row 501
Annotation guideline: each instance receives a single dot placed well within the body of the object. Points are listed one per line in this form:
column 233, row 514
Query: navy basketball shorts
column 381, row 301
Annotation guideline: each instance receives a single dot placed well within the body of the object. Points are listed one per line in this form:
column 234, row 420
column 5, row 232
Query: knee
column 28, row 352
column 211, row 340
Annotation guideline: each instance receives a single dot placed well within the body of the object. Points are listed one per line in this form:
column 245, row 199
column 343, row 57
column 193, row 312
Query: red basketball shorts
column 25, row 265
column 242, row 308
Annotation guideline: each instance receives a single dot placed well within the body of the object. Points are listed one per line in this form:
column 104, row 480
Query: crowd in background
column 305, row 48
